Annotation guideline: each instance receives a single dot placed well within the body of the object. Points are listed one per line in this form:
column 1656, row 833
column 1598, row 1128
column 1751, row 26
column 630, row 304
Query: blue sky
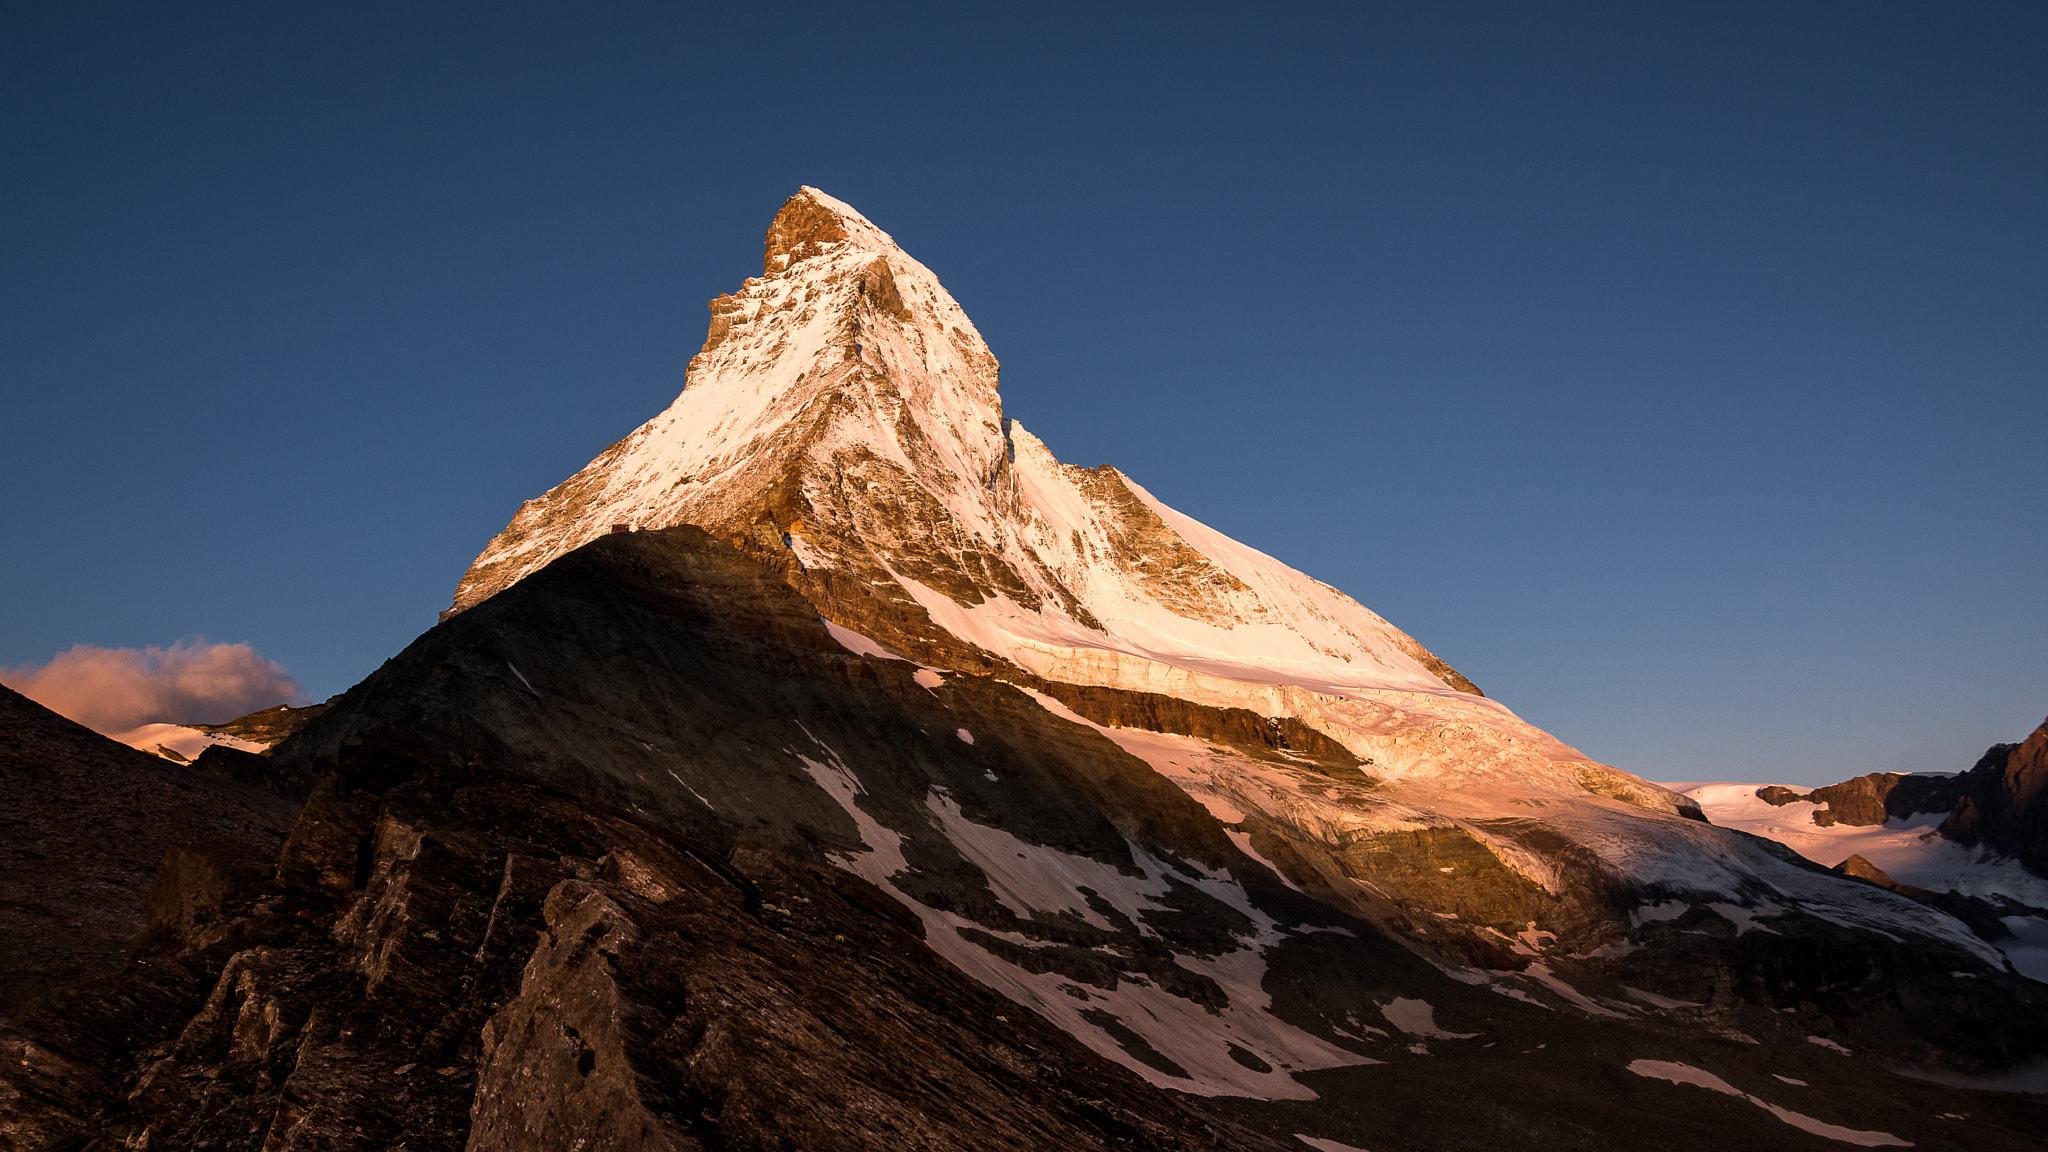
column 1677, row 371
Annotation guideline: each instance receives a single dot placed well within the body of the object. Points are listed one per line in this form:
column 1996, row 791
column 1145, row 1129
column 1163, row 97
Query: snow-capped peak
column 842, row 424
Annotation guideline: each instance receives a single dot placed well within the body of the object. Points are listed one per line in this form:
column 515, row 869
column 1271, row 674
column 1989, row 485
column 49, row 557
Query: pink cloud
column 113, row 690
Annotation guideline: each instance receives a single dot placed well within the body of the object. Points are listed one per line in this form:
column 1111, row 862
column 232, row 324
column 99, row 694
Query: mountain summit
column 842, row 424
column 843, row 418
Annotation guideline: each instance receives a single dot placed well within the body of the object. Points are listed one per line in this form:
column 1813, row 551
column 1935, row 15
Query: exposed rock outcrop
column 511, row 969
column 2003, row 802
column 265, row 726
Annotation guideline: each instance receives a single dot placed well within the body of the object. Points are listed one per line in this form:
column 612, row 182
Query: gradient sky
column 1679, row 372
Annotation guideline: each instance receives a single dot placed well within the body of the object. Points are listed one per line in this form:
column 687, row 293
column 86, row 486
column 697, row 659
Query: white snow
column 186, row 742
column 692, row 791
column 1909, row 851
column 964, row 735
column 1745, row 919
column 1322, row 1145
column 1686, row 1074
column 1542, row 974
column 856, row 643
column 524, row 680
column 1656, row 1001
column 1418, row 1018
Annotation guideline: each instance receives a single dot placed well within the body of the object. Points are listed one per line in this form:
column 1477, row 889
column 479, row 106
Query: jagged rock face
column 502, row 967
column 265, row 726
column 2004, row 803
column 84, row 823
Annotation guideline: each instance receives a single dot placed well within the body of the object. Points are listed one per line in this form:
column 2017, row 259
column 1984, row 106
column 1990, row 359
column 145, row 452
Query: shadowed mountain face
column 84, row 823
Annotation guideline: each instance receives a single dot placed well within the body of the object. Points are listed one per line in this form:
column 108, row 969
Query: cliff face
column 2003, row 803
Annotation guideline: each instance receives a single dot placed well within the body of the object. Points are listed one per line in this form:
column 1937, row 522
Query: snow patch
column 1656, row 1001
column 186, row 742
column 856, row 643
column 1910, row 851
column 1745, row 919
column 523, row 680
column 2027, row 948
column 1418, row 1018
column 1686, row 1074
column 1322, row 1145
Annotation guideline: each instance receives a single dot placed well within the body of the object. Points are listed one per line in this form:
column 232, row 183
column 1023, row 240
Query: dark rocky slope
column 84, row 823
column 446, row 958
column 2003, row 802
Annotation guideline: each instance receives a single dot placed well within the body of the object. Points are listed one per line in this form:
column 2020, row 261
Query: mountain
column 842, row 427
column 828, row 766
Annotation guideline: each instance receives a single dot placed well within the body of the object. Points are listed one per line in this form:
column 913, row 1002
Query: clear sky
column 1679, row 372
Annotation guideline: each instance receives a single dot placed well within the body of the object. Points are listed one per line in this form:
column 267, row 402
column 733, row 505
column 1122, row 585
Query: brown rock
column 1862, row 869
column 802, row 228
column 2004, row 802
column 84, row 824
